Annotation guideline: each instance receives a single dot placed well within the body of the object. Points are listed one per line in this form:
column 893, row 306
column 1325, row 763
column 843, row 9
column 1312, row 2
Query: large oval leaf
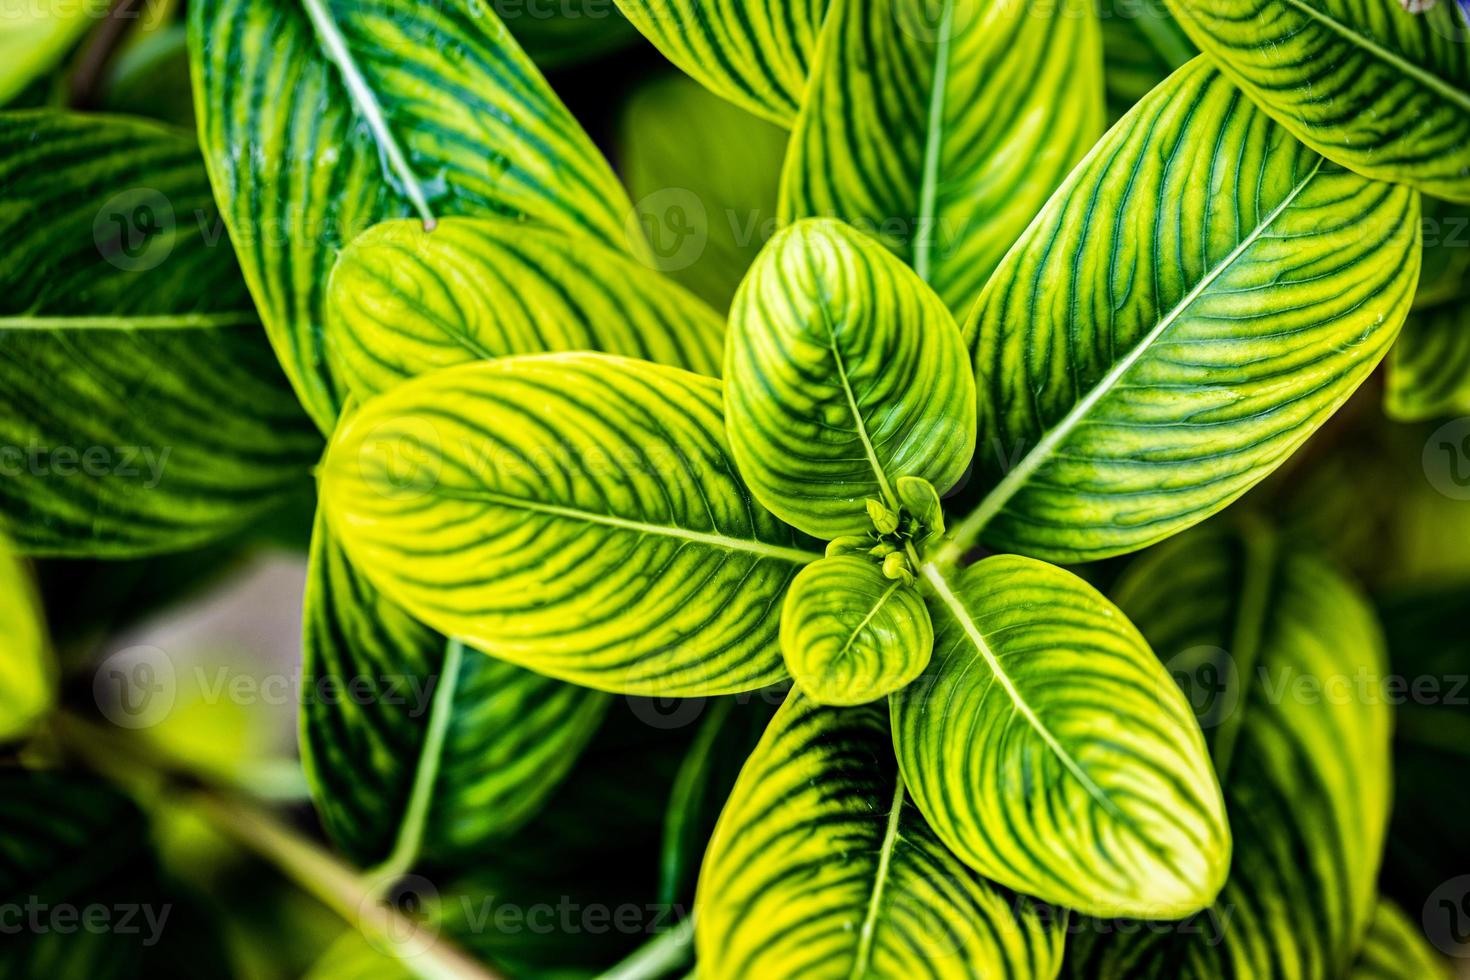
column 1051, row 752
column 753, row 52
column 843, row 373
column 404, row 302
column 1371, row 86
column 27, row 670
column 820, row 867
column 141, row 410
column 577, row 514
column 1283, row 663
column 1199, row 297
column 944, row 127
column 415, row 748
column 850, row 634
column 323, row 117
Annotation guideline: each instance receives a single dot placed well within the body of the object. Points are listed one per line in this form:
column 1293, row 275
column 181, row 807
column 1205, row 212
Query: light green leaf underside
column 1052, row 753
column 1428, row 372
column 577, row 514
column 944, row 127
column 843, row 373
column 1395, row 949
column 396, row 720
column 1281, row 658
column 705, row 176
column 34, row 37
column 1194, row 302
column 1142, row 45
column 1370, row 86
column 819, row 867
column 850, row 634
column 320, row 118
column 753, row 52
column 141, row 410
column 27, row 670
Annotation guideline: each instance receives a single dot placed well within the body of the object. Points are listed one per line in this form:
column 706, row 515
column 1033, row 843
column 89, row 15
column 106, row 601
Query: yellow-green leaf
column 850, row 634
column 1051, row 751
column 404, row 301
column 820, row 868
column 1195, row 301
column 753, row 52
column 34, row 36
column 1370, row 86
column 1395, row 949
column 1428, row 372
column 1142, row 46
column 320, row 118
column 27, row 669
column 843, row 373
column 576, row 514
column 942, row 128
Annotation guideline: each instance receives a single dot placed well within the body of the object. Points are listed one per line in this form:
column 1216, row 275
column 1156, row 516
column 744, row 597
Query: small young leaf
column 921, row 501
column 850, row 634
column 404, row 301
column 820, row 866
column 576, row 514
column 885, row 521
column 1051, row 751
column 843, row 372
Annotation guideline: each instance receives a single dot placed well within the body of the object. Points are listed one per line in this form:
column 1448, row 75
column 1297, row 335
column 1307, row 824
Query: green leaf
column 562, row 35
column 576, row 514
column 150, row 77
column 1052, row 753
column 1283, row 662
column 405, row 302
column 34, row 37
column 1193, row 303
column 920, row 499
column 324, row 117
column 1429, row 367
column 843, row 372
column 753, row 52
column 1370, row 86
column 821, row 867
column 945, row 136
column 27, row 668
column 141, row 410
column 1395, row 949
column 850, row 635
column 417, row 749
column 706, row 175
column 1142, row 45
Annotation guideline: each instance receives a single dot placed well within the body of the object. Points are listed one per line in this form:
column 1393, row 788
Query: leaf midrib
column 750, row 546
column 859, row 424
column 934, row 136
column 864, row 954
column 1427, row 78
column 968, row 530
column 163, row 321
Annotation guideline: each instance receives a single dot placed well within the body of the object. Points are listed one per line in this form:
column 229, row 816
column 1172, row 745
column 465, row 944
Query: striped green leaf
column 1283, row 662
column 405, row 302
column 576, row 514
column 1368, row 85
column 323, row 117
column 1142, row 45
column 1429, row 367
column 850, row 634
column 843, row 373
column 35, row 36
column 1193, row 303
column 27, row 669
column 1051, row 751
column 705, row 175
column 1395, row 949
column 820, row 867
column 753, row 52
column 141, row 410
column 416, row 748
column 944, row 137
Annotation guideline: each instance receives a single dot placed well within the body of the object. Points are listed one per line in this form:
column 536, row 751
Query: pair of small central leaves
column 853, row 627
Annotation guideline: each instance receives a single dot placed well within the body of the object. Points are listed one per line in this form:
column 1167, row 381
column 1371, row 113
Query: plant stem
column 658, row 957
